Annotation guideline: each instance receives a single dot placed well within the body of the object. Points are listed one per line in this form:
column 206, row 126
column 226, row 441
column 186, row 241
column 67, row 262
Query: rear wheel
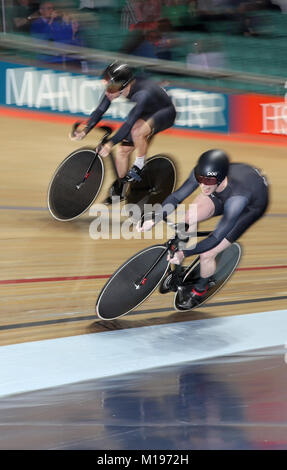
column 158, row 181
column 226, row 263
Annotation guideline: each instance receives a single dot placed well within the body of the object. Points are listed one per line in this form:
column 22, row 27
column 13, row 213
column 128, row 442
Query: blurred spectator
column 140, row 11
column 163, row 40
column 53, row 25
column 139, row 44
column 151, row 39
column 249, row 21
column 151, row 10
column 23, row 12
column 247, row 24
column 206, row 55
column 129, row 14
column 56, row 26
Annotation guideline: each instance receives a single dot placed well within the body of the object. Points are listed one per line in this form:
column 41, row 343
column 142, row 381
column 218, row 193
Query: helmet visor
column 113, row 87
column 207, row 180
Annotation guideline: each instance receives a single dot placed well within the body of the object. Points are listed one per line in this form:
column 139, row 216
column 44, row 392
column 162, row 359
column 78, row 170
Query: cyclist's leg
column 149, row 125
column 191, row 294
column 207, row 259
column 139, row 139
column 206, row 207
column 162, row 119
column 122, row 156
column 141, row 133
column 246, row 219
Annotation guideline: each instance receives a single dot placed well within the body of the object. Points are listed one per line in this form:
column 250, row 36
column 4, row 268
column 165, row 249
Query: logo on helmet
column 212, row 173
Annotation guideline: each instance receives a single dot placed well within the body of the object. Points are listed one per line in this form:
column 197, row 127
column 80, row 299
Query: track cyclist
column 237, row 191
column 153, row 112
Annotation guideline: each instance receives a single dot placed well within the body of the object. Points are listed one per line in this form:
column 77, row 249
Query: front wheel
column 68, row 197
column 121, row 294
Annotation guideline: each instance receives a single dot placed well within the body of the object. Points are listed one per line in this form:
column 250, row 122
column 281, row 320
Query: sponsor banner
column 258, row 115
column 47, row 90
column 200, row 110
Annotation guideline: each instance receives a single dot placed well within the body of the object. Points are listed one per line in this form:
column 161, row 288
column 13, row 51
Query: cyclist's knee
column 123, row 152
column 207, row 256
column 204, row 207
column 141, row 131
column 210, row 255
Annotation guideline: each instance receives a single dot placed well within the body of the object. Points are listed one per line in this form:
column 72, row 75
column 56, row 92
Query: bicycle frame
column 171, row 248
column 102, row 142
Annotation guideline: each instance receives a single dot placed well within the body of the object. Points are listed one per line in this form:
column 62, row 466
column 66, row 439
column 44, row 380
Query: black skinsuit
column 241, row 203
column 151, row 100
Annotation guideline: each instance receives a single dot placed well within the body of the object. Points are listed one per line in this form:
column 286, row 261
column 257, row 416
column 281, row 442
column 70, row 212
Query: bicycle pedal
column 212, row 282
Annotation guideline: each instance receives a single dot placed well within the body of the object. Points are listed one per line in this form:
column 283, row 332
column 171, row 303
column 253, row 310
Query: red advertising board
column 258, row 114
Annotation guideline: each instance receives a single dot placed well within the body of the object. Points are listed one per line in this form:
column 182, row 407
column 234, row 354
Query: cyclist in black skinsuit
column 236, row 191
column 153, row 112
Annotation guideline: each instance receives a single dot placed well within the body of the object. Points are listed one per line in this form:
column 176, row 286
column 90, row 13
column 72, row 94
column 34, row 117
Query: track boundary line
column 34, row 115
column 107, row 276
column 136, row 312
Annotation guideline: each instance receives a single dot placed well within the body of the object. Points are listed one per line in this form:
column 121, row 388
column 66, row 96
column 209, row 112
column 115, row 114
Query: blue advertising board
column 48, row 90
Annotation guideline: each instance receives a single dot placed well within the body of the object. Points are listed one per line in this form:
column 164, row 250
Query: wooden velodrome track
column 52, row 272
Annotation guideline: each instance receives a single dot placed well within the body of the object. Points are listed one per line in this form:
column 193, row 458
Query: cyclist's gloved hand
column 78, row 135
column 176, row 258
column 105, row 149
column 78, row 132
column 146, row 222
column 145, row 226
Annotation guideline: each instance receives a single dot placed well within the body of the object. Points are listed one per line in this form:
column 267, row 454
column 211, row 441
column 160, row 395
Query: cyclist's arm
column 97, row 114
column 173, row 200
column 232, row 210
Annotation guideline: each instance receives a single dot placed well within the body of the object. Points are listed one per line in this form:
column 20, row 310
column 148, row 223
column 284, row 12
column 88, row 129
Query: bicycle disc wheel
column 65, row 200
column 226, row 263
column 119, row 296
column 158, row 181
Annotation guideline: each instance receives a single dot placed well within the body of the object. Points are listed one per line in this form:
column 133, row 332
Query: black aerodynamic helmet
column 118, row 75
column 212, row 167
